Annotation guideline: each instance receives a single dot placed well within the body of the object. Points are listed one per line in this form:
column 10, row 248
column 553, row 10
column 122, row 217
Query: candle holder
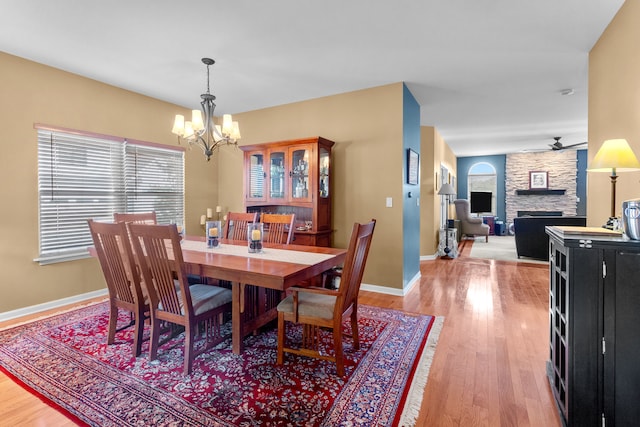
column 254, row 237
column 213, row 234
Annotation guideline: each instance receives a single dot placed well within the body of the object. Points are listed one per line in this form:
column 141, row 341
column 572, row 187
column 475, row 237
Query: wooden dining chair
column 150, row 218
column 278, row 228
column 236, row 226
column 317, row 307
column 160, row 257
column 137, row 218
column 111, row 241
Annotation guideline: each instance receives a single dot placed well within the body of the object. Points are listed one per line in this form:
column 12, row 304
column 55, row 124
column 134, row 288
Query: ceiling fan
column 557, row 146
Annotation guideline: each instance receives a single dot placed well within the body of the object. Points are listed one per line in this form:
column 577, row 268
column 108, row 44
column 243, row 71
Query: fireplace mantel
column 540, row 192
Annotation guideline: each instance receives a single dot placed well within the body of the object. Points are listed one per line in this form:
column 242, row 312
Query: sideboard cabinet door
column 622, row 336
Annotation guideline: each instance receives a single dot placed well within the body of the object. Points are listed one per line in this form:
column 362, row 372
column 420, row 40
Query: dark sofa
column 531, row 239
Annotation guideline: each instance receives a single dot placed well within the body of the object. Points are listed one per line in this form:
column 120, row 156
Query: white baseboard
column 25, row 311
column 392, row 291
column 428, row 257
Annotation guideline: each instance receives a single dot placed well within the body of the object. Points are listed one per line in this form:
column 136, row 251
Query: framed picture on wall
column 413, row 167
column 538, row 180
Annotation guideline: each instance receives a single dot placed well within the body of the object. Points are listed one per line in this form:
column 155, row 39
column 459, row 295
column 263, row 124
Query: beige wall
column 366, row 126
column 614, row 107
column 367, row 162
column 434, row 152
column 33, row 93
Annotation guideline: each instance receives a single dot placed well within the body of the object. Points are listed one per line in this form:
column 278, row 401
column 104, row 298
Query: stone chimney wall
column 562, row 171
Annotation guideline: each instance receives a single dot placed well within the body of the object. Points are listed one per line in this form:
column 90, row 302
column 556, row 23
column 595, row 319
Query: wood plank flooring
column 489, row 364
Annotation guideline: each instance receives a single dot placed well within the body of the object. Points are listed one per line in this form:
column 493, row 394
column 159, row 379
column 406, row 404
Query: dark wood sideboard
column 594, row 315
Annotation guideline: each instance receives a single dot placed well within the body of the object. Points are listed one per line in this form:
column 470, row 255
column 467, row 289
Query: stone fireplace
column 560, row 197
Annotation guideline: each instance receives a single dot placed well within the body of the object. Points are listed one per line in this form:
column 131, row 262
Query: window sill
column 62, row 257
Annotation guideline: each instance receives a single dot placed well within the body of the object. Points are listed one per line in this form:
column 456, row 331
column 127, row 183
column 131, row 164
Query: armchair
column 123, row 281
column 319, row 308
column 469, row 225
column 160, row 257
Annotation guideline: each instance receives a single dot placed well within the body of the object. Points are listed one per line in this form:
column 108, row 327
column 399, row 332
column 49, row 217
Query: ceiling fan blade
column 558, row 146
column 576, row 145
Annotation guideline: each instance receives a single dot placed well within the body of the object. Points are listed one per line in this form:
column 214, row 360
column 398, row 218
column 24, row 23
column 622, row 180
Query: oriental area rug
column 65, row 361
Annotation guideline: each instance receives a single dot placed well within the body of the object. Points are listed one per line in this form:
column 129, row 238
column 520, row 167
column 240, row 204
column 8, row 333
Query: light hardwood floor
column 489, row 364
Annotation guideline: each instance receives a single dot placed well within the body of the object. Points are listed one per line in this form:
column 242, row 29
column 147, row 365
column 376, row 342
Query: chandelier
column 202, row 131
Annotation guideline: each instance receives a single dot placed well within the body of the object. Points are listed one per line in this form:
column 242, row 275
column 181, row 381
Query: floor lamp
column 615, row 155
column 447, row 190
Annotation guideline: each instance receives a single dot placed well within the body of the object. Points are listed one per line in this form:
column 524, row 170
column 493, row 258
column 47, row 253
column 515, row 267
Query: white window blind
column 82, row 177
column 154, row 181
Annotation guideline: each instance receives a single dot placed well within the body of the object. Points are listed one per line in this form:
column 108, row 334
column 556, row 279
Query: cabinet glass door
column 276, row 175
column 324, row 173
column 256, row 176
column 299, row 173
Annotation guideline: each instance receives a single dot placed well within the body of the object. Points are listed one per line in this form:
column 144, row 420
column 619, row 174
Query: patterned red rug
column 64, row 360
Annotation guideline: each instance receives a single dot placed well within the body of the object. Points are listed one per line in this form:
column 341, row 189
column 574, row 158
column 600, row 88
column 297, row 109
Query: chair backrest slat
column 236, row 225
column 278, row 227
column 353, row 268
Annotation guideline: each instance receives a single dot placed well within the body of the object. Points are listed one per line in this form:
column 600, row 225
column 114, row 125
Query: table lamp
column 447, row 190
column 615, row 155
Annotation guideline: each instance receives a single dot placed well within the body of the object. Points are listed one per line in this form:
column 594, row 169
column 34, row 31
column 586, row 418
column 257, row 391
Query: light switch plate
column 389, row 202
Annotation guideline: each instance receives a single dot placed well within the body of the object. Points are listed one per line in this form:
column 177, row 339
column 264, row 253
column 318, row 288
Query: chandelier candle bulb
column 188, row 130
column 235, row 131
column 196, row 120
column 218, row 209
column 209, row 213
column 178, row 125
column 227, row 123
column 203, row 219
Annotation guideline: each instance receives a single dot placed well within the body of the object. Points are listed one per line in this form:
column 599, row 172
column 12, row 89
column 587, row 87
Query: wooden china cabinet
column 292, row 177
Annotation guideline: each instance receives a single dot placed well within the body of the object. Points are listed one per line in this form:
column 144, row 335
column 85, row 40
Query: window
column 81, row 176
column 482, row 177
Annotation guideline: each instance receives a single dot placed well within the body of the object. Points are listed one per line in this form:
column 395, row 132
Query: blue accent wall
column 499, row 162
column 410, row 208
column 581, row 183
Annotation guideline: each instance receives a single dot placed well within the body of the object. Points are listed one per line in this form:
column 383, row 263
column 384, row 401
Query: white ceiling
column 488, row 74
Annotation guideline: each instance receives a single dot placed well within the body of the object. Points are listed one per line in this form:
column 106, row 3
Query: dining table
column 258, row 281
